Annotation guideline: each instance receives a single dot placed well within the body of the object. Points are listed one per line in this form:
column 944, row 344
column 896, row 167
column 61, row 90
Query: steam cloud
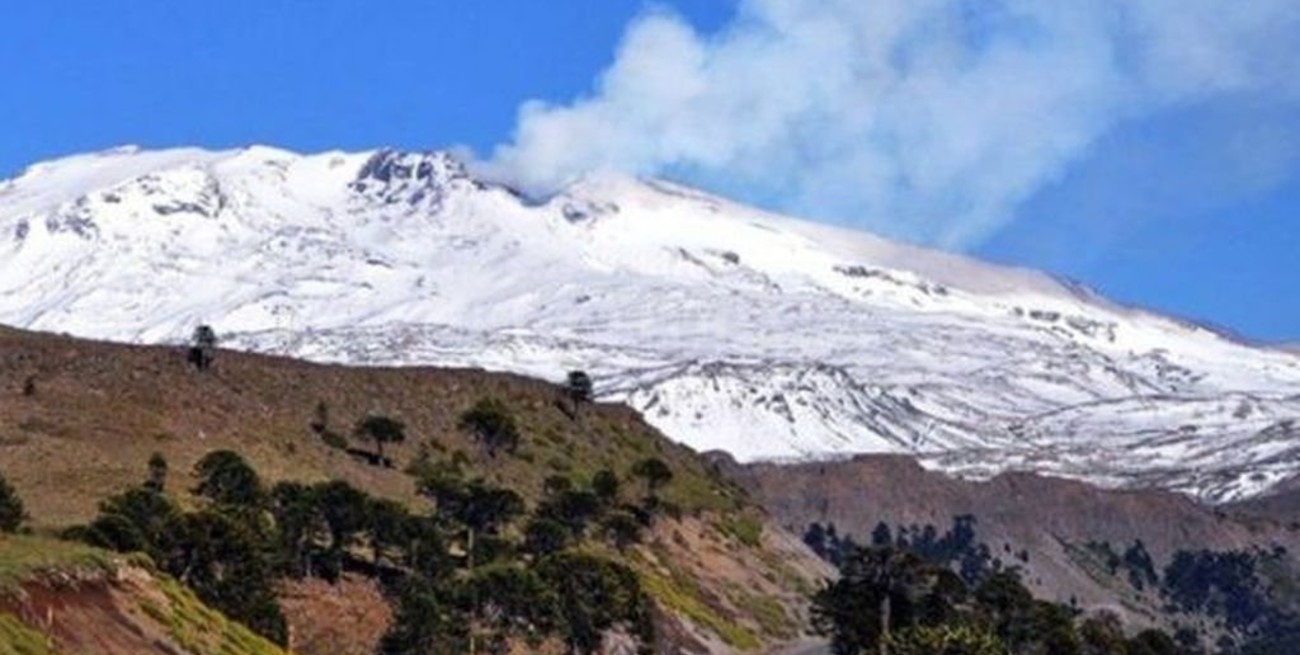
column 927, row 119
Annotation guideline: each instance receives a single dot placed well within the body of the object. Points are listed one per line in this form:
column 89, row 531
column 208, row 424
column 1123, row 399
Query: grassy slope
column 100, row 410
column 106, row 603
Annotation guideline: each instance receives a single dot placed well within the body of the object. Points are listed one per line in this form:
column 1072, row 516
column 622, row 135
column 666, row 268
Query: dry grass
column 101, row 409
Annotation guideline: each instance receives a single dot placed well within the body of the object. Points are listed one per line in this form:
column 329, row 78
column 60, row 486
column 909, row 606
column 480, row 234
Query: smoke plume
column 926, row 119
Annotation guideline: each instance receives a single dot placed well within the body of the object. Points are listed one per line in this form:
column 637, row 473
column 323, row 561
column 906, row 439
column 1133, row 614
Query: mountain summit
column 729, row 328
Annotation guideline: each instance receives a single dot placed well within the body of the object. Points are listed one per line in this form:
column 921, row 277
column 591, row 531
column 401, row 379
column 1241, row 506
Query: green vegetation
column 24, row 558
column 1251, row 592
column 681, row 596
column 767, row 612
column 493, row 425
column 579, row 389
column 18, row 639
column 218, row 551
column 381, row 430
column 462, row 577
column 12, row 513
column 945, row 640
column 199, row 629
column 202, row 348
column 745, row 528
column 892, row 600
column 956, row 548
column 655, row 473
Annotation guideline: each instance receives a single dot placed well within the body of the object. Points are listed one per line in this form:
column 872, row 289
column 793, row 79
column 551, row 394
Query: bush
column 334, row 440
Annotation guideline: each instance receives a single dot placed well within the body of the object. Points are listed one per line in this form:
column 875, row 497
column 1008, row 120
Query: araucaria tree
column 202, row 346
column 491, row 422
column 157, row 480
column 12, row 513
column 226, row 479
column 655, row 473
column 879, row 590
column 579, row 389
column 381, row 430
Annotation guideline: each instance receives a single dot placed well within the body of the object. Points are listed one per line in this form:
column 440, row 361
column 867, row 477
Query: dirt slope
column 66, row 599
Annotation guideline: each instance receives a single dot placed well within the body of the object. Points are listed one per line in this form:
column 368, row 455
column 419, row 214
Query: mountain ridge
column 727, row 327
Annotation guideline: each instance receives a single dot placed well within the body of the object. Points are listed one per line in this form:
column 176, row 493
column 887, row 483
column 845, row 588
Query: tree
column 573, row 509
column 225, row 564
column 622, row 528
column 486, row 509
column 1102, row 634
column 578, row 387
column 389, row 523
column 881, row 537
column 815, row 538
column 543, row 536
column 594, row 595
column 300, row 526
column 605, row 484
column 12, row 512
column 381, row 430
column 346, row 512
column 226, row 478
column 879, row 590
column 655, row 473
column 475, row 508
column 1154, row 642
column 508, row 601
column 491, row 422
column 1141, row 568
column 425, row 621
column 136, row 520
column 203, row 344
column 426, row 549
column 320, row 418
column 157, row 480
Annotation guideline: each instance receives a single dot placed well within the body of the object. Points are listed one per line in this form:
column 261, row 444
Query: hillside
column 79, row 419
column 58, row 598
column 729, row 328
column 1059, row 532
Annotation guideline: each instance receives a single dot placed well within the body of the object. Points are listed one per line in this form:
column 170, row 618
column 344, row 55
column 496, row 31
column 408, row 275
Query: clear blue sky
column 1154, row 214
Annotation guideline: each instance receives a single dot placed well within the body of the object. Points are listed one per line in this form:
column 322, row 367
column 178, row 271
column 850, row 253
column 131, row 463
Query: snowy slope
column 730, row 328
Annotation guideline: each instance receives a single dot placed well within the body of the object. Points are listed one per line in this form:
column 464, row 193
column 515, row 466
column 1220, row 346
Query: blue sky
column 1182, row 199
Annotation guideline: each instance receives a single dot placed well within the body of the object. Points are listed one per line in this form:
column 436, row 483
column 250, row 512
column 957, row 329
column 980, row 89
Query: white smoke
column 927, row 119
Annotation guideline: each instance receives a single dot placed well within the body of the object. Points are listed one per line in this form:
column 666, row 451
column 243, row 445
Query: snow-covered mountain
column 728, row 327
